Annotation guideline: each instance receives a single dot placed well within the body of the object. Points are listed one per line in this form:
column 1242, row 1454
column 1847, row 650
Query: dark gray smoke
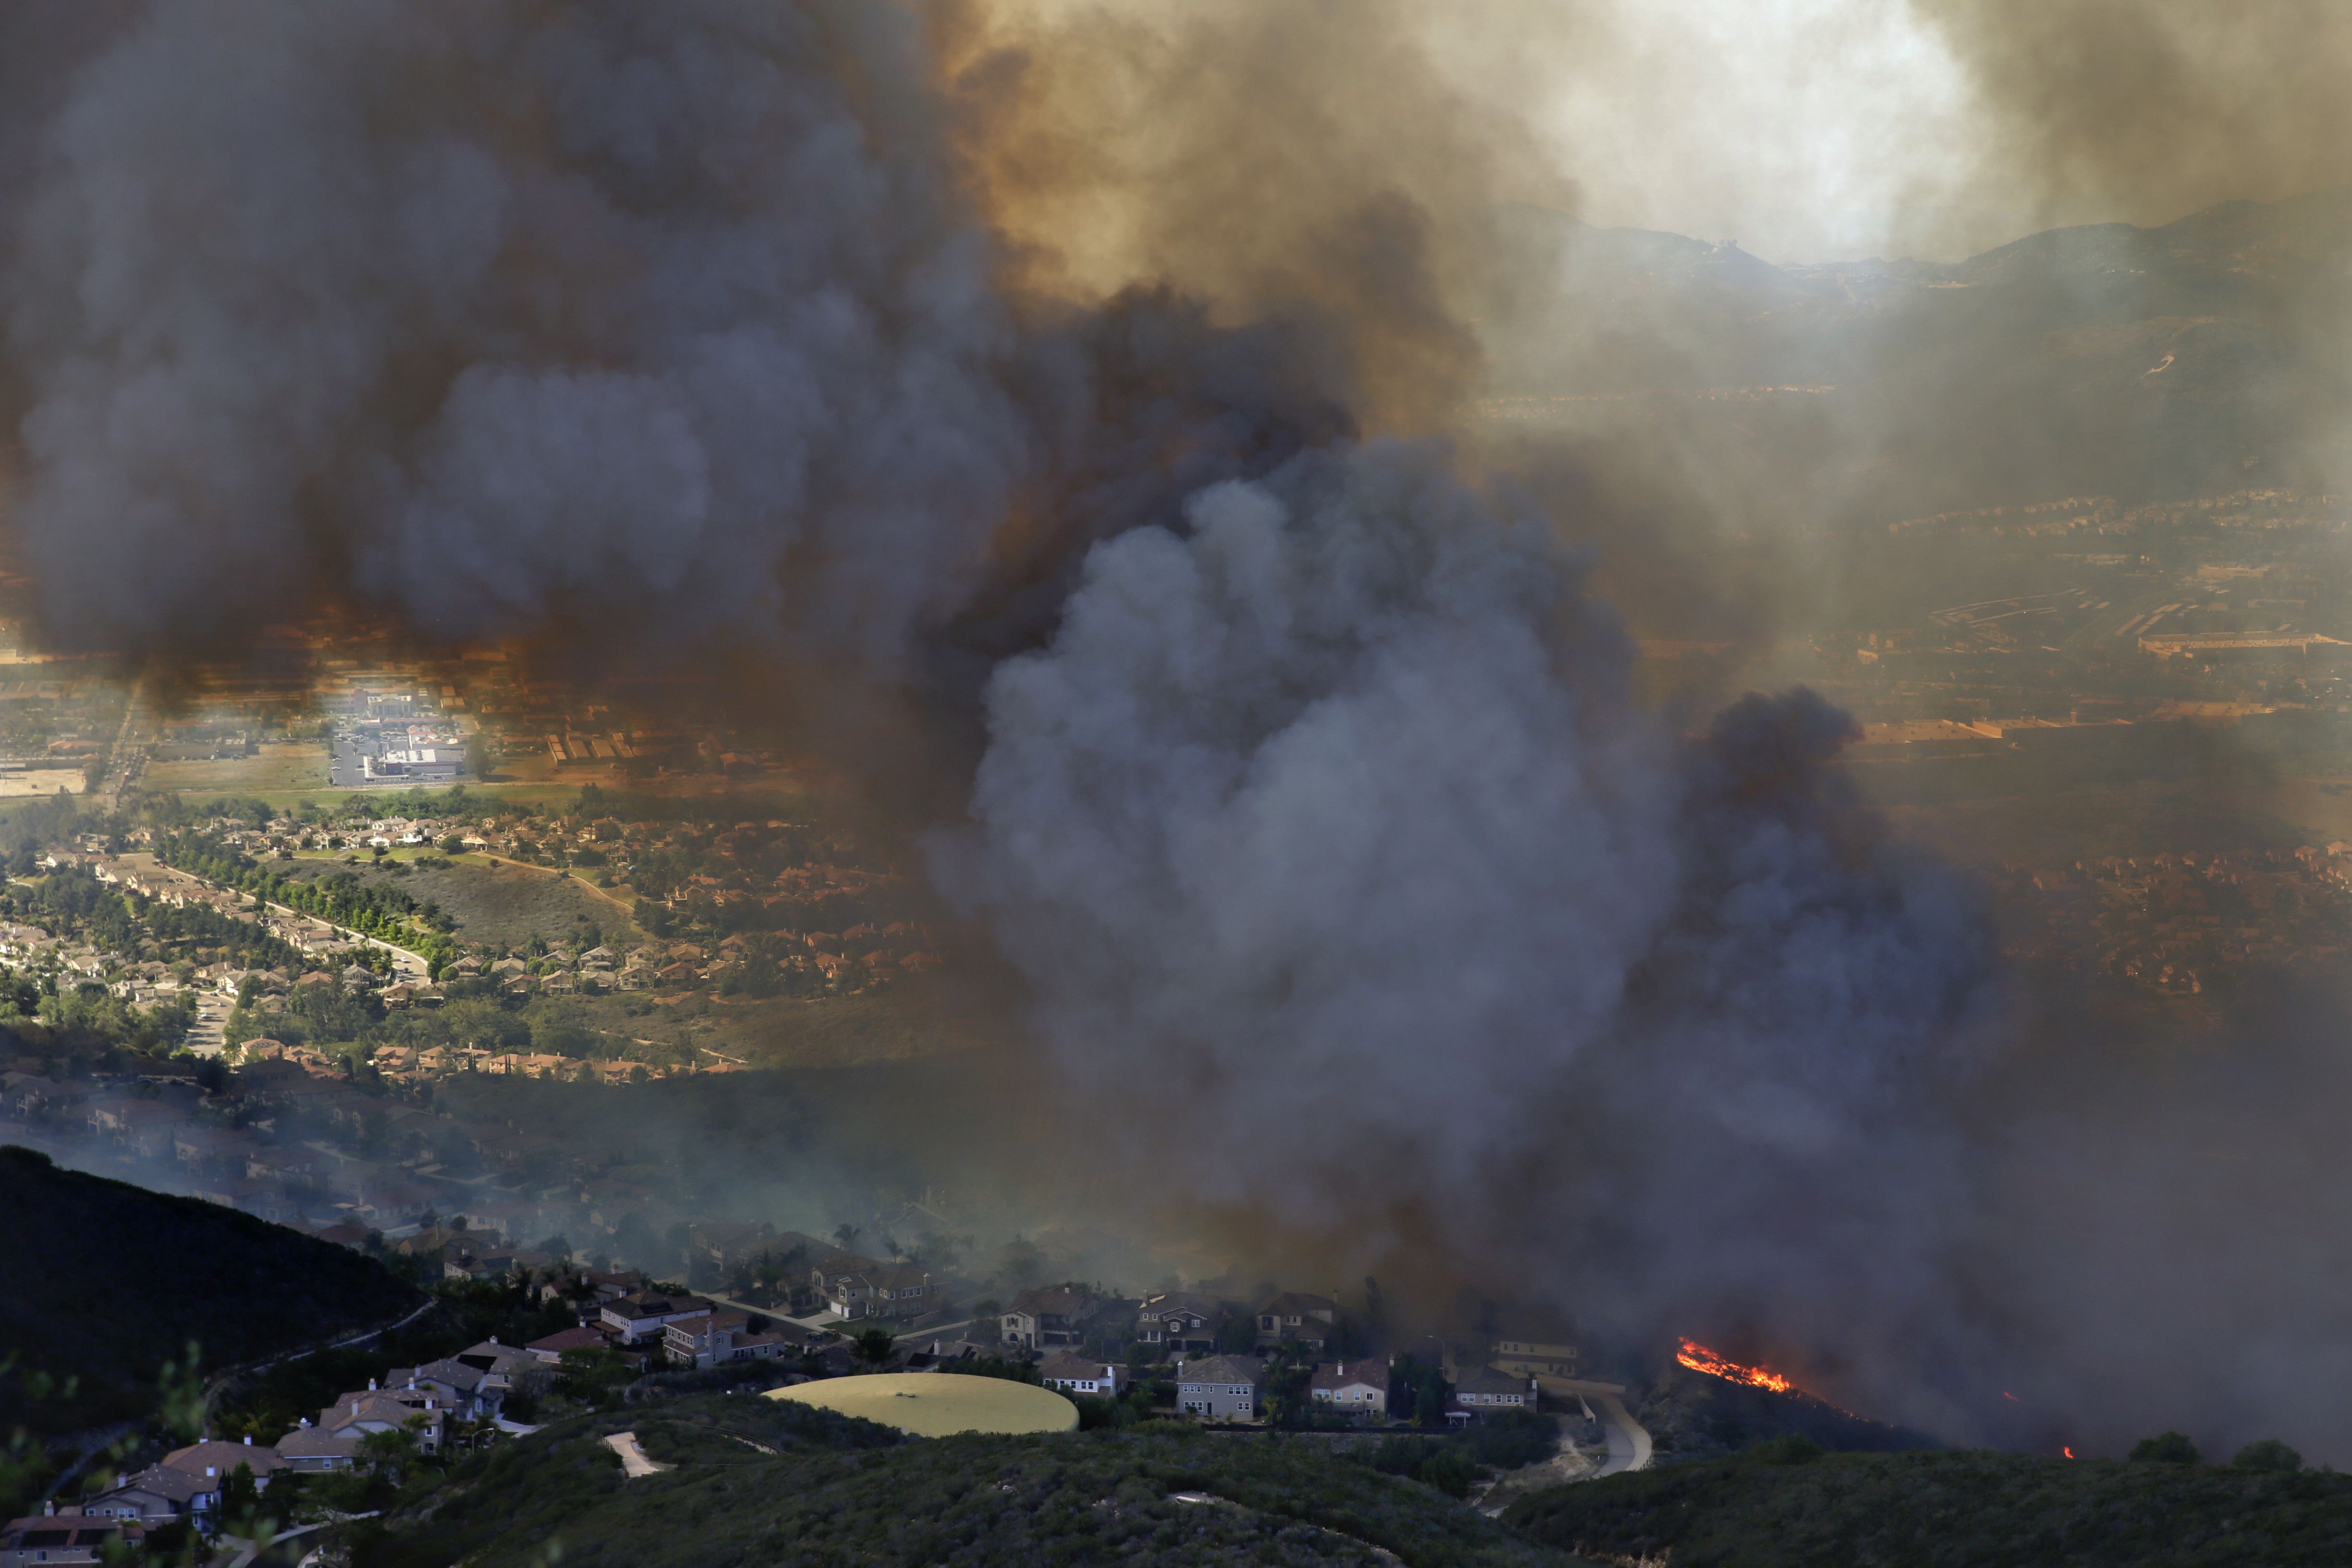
column 1311, row 793
column 1328, row 819
column 475, row 311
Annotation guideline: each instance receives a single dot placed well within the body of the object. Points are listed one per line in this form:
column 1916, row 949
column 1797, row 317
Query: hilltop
column 757, row 1482
column 106, row 1282
column 1785, row 1504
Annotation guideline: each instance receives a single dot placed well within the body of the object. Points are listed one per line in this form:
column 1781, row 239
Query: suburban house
column 888, row 1290
column 551, row 1349
column 1352, row 1387
column 588, row 1282
column 644, row 1314
column 723, row 1337
column 466, row 1391
column 216, row 1461
column 499, row 1364
column 1481, row 1390
column 313, row 1450
column 1296, row 1318
column 358, row 1415
column 53, row 1539
column 833, row 1269
column 1179, row 1322
column 1222, row 1386
column 485, row 1269
column 1551, row 1355
column 1079, row 1374
column 1049, row 1315
column 157, row 1495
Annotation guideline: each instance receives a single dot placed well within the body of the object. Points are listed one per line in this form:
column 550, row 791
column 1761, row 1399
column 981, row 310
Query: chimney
column 49, row 1509
column 248, row 1439
column 371, row 1385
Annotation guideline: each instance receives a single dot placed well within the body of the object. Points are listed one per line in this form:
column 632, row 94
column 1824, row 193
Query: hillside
column 1692, row 1416
column 107, row 1281
column 2105, row 359
column 833, row 1491
column 1787, row 1505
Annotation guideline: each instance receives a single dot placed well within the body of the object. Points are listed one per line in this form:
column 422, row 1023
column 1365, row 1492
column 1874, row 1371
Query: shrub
column 2268, row 1454
column 1449, row 1470
column 1791, row 1449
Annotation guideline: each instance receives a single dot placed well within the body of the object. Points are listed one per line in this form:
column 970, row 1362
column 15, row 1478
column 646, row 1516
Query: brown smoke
column 1268, row 157
column 2143, row 110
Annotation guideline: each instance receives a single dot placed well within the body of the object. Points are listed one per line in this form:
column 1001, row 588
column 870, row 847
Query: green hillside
column 105, row 1282
column 1787, row 1505
column 758, row 1482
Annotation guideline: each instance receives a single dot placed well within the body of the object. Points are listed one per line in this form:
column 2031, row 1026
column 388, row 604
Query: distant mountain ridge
column 2196, row 357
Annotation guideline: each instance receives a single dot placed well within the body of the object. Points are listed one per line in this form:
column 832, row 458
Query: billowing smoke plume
column 1076, row 401
column 1326, row 816
column 1328, row 820
column 483, row 312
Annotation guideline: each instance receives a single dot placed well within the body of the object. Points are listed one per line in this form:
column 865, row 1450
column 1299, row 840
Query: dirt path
column 634, row 1462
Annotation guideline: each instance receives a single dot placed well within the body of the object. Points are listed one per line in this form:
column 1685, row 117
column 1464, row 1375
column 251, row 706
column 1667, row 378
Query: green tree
column 875, row 1346
column 2167, row 1448
column 240, row 1496
column 390, row 1454
column 1429, row 1398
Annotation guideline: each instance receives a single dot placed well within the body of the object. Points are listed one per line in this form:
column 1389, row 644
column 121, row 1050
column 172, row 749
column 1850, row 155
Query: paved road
column 411, row 967
column 1628, row 1440
column 207, row 1037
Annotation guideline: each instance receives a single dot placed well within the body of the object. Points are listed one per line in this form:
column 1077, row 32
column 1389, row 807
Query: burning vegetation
column 1698, row 1358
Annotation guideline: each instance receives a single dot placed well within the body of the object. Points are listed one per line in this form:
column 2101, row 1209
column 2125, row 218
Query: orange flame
column 1698, row 1358
column 2068, row 1452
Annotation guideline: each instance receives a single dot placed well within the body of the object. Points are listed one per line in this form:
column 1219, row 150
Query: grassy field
column 279, row 766
column 41, row 783
column 940, row 1404
column 504, row 904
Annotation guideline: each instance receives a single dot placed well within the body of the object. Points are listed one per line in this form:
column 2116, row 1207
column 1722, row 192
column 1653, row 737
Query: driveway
column 1628, row 1440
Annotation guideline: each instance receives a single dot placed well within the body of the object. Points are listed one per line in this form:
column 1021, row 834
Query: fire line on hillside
column 1698, row 1358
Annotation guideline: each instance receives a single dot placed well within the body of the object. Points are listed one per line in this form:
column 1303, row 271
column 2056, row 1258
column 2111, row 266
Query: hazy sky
column 1807, row 130
column 1815, row 129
